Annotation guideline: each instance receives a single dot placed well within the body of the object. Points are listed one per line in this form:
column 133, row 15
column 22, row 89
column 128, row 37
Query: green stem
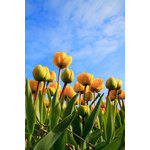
column 62, row 92
column 29, row 141
column 58, row 83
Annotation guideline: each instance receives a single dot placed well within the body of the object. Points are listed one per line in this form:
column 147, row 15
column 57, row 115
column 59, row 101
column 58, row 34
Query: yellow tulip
column 97, row 85
column 112, row 95
column 61, row 60
column 47, row 102
column 111, row 83
column 88, row 96
column 83, row 110
column 119, row 84
column 78, row 88
column 67, row 76
column 33, row 85
column 77, row 101
column 122, row 95
column 41, row 73
column 53, row 76
column 54, row 85
column 53, row 88
column 85, row 78
column 68, row 92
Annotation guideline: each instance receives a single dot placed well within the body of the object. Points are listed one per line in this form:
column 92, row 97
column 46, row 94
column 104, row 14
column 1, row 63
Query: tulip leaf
column 123, row 106
column 42, row 108
column 118, row 142
column 94, row 136
column 55, row 111
column 71, row 140
column 37, row 110
column 61, row 142
column 118, row 123
column 62, row 101
column 122, row 115
column 70, row 106
column 30, row 113
column 47, row 141
column 49, row 97
column 109, row 126
column 91, row 119
column 77, row 128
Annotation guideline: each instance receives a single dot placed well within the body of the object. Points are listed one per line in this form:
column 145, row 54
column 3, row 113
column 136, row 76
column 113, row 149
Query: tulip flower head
column 47, row 102
column 85, row 78
column 83, row 110
column 53, row 88
column 61, row 60
column 111, row 83
column 67, row 76
column 41, row 73
column 97, row 85
column 53, row 76
column 112, row 95
column 33, row 85
column 88, row 96
column 122, row 95
column 68, row 92
column 78, row 88
column 119, row 84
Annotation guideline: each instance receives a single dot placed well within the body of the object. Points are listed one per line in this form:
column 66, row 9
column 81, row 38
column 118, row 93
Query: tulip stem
column 80, row 99
column 84, row 94
column 119, row 100
column 37, row 92
column 65, row 84
column 107, row 97
column 95, row 99
column 59, row 78
column 47, row 84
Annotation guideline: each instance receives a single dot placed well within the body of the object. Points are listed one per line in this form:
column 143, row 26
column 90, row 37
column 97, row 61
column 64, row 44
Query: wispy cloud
column 88, row 30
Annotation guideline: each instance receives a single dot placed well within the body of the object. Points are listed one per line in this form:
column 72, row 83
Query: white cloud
column 84, row 29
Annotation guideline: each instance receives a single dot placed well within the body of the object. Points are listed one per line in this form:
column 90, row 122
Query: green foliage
column 47, row 141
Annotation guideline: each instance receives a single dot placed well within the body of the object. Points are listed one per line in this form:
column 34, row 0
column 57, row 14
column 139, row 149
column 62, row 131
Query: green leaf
column 100, row 145
column 49, row 97
column 118, row 142
column 70, row 106
column 123, row 106
column 61, row 142
column 42, row 108
column 77, row 128
column 93, row 137
column 47, row 142
column 122, row 115
column 62, row 101
column 37, row 110
column 109, row 126
column 118, row 123
column 71, row 140
column 55, row 111
column 30, row 114
column 91, row 119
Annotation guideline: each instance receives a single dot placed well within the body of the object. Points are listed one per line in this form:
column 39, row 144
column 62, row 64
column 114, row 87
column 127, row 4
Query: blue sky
column 91, row 31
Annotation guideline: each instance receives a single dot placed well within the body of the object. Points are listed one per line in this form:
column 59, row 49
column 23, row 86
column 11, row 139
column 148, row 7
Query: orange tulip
column 97, row 85
column 52, row 76
column 68, row 92
column 85, row 78
column 61, row 60
column 78, row 87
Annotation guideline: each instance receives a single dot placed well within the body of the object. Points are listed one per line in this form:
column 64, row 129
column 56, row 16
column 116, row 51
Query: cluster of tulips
column 80, row 122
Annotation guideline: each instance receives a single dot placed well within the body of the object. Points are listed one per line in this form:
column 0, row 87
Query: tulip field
column 73, row 118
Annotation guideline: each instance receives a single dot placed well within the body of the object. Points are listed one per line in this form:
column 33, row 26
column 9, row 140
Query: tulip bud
column 67, row 76
column 119, row 84
column 83, row 110
column 39, row 73
column 52, row 91
column 53, row 76
column 111, row 83
column 47, row 77
column 88, row 96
